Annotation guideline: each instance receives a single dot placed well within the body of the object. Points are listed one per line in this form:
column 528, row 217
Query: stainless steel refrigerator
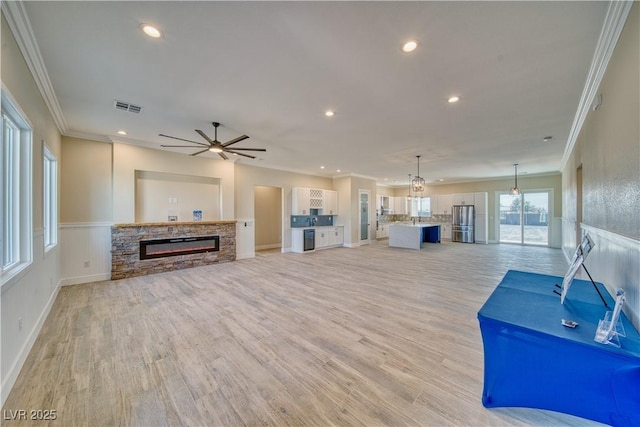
column 462, row 227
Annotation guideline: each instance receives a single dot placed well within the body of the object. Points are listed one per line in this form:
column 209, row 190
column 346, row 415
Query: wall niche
column 159, row 195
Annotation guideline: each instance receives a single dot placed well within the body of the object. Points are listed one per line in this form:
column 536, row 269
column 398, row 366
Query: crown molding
column 20, row 26
column 612, row 27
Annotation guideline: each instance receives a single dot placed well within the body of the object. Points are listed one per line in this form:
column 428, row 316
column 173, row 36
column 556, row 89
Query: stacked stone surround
column 125, row 246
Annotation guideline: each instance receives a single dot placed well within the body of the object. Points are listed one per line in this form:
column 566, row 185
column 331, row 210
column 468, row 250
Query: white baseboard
column 78, row 280
column 246, row 255
column 12, row 374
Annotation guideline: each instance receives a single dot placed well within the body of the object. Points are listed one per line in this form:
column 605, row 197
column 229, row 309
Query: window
column 15, row 208
column 421, row 206
column 50, row 189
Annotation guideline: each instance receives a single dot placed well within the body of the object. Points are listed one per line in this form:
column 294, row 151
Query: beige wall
column 608, row 149
column 85, row 179
column 269, row 217
column 30, row 294
column 526, row 183
column 160, row 194
column 127, row 159
column 248, row 177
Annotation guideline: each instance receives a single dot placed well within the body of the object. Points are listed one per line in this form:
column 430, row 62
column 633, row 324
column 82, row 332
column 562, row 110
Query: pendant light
column 418, row 182
column 515, row 190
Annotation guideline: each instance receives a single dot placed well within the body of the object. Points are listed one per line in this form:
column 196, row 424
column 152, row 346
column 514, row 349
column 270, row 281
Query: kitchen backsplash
column 311, row 220
column 439, row 218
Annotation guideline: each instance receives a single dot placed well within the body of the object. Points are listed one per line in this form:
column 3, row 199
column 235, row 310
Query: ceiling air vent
column 125, row 106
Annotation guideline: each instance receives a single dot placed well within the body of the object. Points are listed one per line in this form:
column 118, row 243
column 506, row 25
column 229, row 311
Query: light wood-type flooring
column 372, row 336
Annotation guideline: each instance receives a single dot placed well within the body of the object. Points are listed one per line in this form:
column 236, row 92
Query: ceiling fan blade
column 221, row 154
column 233, row 141
column 249, row 149
column 241, row 154
column 180, row 139
column 202, row 134
column 185, row 146
column 202, row 151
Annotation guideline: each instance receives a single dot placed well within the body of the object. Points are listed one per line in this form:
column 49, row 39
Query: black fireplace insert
column 159, row 248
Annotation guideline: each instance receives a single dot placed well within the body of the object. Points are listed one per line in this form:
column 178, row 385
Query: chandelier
column 417, row 184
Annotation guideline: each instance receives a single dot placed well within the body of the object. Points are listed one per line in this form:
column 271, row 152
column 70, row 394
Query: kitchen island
column 412, row 236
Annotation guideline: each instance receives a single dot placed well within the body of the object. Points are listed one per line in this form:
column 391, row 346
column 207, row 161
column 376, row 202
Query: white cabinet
column 300, row 201
column 336, row 236
column 382, row 231
column 443, row 203
column 481, row 226
column 384, row 205
column 445, row 231
column 328, row 237
column 462, row 199
column 398, row 205
column 322, row 238
column 480, row 202
column 305, row 199
column 329, row 202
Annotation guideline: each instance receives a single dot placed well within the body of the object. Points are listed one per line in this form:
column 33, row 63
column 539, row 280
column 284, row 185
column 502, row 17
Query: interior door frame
column 368, row 240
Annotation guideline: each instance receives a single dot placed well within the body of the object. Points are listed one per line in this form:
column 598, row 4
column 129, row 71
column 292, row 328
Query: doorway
column 268, row 218
column 524, row 218
column 363, row 218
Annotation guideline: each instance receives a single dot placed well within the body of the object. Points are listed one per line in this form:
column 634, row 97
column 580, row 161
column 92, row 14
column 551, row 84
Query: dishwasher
column 309, row 239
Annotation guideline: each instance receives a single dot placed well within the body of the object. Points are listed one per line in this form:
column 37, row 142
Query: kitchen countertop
column 418, row 224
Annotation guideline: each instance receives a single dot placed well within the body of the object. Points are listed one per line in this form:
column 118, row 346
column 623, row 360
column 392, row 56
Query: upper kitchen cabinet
column 383, row 207
column 480, row 201
column 300, row 201
column 441, row 204
column 329, row 202
column 398, row 205
column 462, row 199
column 320, row 202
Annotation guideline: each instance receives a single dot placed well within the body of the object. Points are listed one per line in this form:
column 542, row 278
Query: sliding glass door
column 524, row 219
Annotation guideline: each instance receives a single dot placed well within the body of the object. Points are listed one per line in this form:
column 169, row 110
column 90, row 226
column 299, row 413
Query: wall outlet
column 87, row 264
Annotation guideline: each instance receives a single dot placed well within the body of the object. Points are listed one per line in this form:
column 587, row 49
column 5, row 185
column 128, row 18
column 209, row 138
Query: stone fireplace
column 139, row 249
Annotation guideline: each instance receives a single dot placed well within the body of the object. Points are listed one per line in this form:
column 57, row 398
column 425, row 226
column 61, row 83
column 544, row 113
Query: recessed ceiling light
column 338, row 170
column 321, row 167
column 410, row 46
column 215, row 150
column 441, row 180
column 151, row 31
column 547, row 138
column 453, row 99
column 329, row 113
column 122, row 132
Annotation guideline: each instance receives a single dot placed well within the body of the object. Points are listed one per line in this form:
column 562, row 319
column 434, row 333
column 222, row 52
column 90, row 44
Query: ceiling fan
column 214, row 145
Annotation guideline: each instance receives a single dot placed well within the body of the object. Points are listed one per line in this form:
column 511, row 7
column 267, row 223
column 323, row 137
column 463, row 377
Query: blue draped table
column 531, row 360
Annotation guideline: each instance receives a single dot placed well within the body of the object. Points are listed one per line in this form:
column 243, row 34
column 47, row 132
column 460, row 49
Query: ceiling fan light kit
column 213, row 145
